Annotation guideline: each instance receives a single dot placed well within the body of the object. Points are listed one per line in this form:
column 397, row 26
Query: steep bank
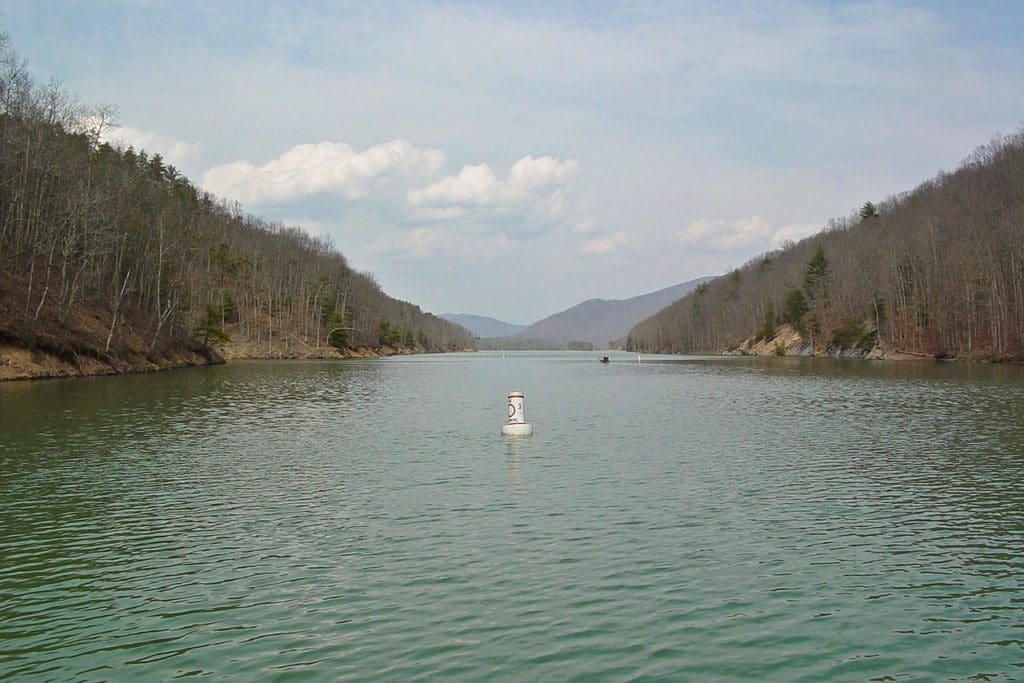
column 85, row 340
column 297, row 350
column 19, row 362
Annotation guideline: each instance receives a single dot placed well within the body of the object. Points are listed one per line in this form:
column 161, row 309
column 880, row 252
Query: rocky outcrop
column 786, row 342
column 789, row 342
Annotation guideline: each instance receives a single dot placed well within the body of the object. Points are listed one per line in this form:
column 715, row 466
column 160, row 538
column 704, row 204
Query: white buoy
column 516, row 417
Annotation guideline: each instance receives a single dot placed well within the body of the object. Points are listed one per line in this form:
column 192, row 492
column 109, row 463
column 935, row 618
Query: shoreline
column 789, row 342
column 20, row 364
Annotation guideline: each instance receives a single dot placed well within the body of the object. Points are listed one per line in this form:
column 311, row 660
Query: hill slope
column 604, row 321
column 483, row 326
column 938, row 271
column 111, row 261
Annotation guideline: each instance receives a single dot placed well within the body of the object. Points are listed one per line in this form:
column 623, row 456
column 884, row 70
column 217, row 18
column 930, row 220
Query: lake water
column 679, row 518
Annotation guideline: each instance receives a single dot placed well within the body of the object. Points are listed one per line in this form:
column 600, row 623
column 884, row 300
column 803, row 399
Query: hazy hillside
column 603, row 321
column 482, row 326
column 937, row 271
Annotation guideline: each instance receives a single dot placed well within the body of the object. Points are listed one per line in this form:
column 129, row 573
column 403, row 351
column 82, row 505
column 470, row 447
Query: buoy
column 516, row 417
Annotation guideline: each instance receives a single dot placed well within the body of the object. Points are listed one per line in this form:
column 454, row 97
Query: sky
column 514, row 160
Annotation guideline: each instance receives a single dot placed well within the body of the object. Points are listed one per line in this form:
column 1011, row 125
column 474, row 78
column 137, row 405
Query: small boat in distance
column 603, row 359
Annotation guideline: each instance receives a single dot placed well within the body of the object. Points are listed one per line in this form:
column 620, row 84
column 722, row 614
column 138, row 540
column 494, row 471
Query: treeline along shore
column 937, row 272
column 111, row 261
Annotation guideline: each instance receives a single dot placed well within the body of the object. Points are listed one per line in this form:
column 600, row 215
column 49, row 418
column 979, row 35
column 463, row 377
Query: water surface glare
column 679, row 518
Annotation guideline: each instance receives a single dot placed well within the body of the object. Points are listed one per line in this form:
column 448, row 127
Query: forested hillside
column 936, row 271
column 109, row 255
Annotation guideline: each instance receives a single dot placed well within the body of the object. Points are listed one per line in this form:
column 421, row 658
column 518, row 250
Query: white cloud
column 581, row 226
column 416, row 243
column 310, row 169
column 754, row 232
column 473, row 185
column 725, row 235
column 605, row 245
column 440, row 214
column 794, row 233
column 532, row 183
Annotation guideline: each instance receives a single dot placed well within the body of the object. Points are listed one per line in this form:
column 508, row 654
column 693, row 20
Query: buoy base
column 519, row 429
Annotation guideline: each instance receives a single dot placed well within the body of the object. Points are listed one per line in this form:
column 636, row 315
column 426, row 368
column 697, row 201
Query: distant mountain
column 603, row 321
column 482, row 326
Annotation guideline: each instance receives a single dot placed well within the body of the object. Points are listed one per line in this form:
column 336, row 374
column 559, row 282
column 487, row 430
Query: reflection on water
column 515, row 462
column 677, row 518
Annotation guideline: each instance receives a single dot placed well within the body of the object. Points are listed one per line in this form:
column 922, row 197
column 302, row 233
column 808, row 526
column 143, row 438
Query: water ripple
column 725, row 519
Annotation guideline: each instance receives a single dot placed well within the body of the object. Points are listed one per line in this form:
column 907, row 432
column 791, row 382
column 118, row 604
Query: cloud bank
column 324, row 167
column 605, row 245
column 754, row 232
column 706, row 134
column 402, row 173
column 417, row 243
column 533, row 183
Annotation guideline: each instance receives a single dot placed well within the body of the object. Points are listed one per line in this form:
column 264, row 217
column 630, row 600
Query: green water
column 676, row 519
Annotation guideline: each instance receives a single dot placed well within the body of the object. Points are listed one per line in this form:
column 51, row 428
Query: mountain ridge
column 603, row 322
column 482, row 325
column 597, row 321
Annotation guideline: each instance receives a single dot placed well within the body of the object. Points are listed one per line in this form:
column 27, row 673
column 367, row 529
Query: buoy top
column 516, row 416
column 516, row 412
